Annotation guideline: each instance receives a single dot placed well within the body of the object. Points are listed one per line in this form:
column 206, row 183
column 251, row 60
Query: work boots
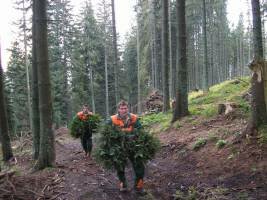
column 139, row 187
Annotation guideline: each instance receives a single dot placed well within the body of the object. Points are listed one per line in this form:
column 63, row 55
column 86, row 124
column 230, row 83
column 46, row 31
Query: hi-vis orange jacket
column 82, row 116
column 127, row 126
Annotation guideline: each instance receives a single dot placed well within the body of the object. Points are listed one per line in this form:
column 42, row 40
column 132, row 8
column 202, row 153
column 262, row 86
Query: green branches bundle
column 145, row 146
column 114, row 147
column 77, row 126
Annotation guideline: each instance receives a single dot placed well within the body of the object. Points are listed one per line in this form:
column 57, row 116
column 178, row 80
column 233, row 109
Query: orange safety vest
column 126, row 127
column 82, row 116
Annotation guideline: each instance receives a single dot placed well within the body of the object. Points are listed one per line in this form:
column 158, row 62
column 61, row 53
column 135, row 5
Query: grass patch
column 161, row 119
column 221, row 143
column 204, row 104
column 201, row 142
column 228, row 91
column 148, row 120
column 177, row 125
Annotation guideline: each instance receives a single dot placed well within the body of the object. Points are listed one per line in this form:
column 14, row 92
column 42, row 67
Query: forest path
column 236, row 171
column 83, row 177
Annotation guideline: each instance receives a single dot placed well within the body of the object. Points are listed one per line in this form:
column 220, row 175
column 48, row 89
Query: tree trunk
column 106, row 80
column 206, row 75
column 35, row 93
column 165, row 56
column 181, row 106
column 115, row 50
column 257, row 104
column 47, row 147
column 139, row 104
column 27, row 65
column 157, row 53
column 4, row 133
column 172, row 55
column 92, row 89
column 154, row 46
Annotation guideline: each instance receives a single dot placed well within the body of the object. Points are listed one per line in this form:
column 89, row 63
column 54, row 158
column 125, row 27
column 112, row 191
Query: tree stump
column 226, row 108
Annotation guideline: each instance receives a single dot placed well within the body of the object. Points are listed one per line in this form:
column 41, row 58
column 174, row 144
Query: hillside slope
column 202, row 157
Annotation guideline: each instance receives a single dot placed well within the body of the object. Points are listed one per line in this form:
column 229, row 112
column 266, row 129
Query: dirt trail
column 237, row 171
column 83, row 177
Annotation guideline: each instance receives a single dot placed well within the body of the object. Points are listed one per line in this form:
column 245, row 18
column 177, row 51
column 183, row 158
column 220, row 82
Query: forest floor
column 236, row 171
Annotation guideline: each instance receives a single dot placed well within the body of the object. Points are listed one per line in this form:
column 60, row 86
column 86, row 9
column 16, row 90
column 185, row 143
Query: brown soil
column 236, row 171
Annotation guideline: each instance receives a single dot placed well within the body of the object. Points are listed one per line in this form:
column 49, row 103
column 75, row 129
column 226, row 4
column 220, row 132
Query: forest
column 198, row 83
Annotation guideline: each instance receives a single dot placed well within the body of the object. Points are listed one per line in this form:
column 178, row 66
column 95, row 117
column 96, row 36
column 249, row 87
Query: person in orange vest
column 130, row 124
column 86, row 131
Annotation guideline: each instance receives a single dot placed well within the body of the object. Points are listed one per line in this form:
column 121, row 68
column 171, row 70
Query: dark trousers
column 138, row 166
column 86, row 141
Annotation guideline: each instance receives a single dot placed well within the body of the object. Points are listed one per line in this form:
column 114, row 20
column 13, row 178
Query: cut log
column 226, row 108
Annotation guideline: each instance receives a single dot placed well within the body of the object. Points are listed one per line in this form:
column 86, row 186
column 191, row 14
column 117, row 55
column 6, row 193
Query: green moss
column 148, row 120
column 206, row 104
column 161, row 119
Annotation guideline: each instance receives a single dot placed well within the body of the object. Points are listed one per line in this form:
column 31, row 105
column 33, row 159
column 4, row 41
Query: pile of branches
column 154, row 102
column 30, row 187
column 22, row 142
column 114, row 146
column 77, row 126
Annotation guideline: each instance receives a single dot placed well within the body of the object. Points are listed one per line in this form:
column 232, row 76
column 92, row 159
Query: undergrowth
column 205, row 104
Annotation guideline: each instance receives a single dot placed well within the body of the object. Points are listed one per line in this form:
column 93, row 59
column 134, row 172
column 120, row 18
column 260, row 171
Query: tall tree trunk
column 238, row 57
column 115, row 50
column 206, row 74
column 155, row 51
column 165, row 56
column 27, row 65
column 248, row 4
column 172, row 58
column 158, row 56
column 139, row 104
column 47, row 147
column 35, row 93
column 258, row 103
column 181, row 106
column 66, row 98
column 212, row 63
column 106, row 62
column 92, row 89
column 106, row 80
column 242, row 55
column 4, row 132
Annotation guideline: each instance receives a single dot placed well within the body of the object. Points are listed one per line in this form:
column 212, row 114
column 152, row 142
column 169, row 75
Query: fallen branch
column 45, row 187
column 11, row 184
column 37, row 194
column 7, row 174
column 56, row 196
column 7, row 191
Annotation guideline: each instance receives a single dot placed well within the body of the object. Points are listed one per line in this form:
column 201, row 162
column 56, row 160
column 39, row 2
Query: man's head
column 123, row 108
column 85, row 109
